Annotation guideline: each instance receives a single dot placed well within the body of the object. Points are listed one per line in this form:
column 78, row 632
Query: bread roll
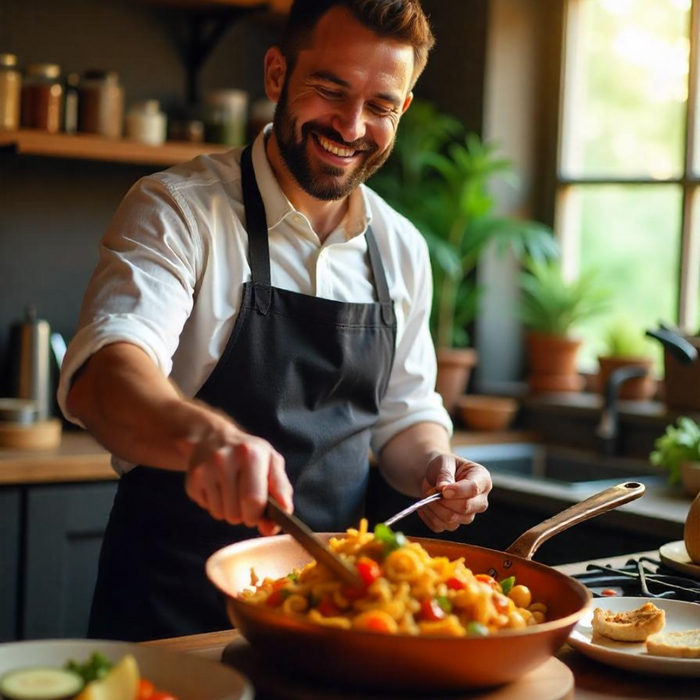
column 683, row 645
column 631, row 625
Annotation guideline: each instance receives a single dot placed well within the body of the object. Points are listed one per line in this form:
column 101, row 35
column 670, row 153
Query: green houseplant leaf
column 624, row 339
column 550, row 304
column 680, row 443
column 441, row 178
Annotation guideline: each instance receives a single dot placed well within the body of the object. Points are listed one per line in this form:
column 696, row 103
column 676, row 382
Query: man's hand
column 230, row 474
column 465, row 487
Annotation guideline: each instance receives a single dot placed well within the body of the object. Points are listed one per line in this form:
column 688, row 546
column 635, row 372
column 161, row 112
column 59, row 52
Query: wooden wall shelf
column 274, row 5
column 88, row 147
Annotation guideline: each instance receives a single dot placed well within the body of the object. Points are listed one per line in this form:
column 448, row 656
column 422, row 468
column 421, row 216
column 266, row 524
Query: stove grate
column 639, row 577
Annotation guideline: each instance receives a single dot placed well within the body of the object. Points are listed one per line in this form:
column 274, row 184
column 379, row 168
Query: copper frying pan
column 409, row 663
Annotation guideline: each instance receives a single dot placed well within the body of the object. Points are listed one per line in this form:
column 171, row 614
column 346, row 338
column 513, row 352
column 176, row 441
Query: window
column 628, row 174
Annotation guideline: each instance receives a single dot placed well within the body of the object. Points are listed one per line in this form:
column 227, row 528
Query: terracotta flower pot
column 454, row 367
column 636, row 389
column 552, row 362
column 487, row 412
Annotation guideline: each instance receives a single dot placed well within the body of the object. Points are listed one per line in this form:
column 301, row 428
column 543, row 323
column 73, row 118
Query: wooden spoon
column 691, row 532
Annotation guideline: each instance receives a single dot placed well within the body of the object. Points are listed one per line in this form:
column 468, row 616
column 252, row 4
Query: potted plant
column 440, row 179
column 625, row 345
column 550, row 308
column 678, row 451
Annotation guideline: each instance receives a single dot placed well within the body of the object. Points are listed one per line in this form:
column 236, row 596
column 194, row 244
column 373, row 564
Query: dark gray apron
column 305, row 373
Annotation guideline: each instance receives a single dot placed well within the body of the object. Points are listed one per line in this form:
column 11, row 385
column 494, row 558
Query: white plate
column 186, row 676
column 680, row 615
column 675, row 556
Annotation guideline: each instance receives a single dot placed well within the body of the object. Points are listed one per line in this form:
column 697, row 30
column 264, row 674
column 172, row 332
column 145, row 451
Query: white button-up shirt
column 175, row 257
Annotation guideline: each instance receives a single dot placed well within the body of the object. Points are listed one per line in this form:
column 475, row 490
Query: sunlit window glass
column 630, row 235
column 626, row 88
column 694, row 267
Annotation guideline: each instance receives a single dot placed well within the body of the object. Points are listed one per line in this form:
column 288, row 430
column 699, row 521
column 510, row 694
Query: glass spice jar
column 101, row 104
column 145, row 123
column 42, row 97
column 226, row 117
column 10, row 92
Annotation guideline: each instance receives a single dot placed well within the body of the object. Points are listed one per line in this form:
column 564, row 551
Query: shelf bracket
column 205, row 30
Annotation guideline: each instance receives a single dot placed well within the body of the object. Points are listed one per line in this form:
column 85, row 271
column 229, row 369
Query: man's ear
column 407, row 102
column 275, row 72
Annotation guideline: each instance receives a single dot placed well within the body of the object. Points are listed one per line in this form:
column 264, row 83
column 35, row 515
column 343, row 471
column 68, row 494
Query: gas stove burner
column 639, row 577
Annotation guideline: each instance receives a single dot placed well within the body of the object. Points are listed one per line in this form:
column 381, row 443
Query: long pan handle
column 529, row 542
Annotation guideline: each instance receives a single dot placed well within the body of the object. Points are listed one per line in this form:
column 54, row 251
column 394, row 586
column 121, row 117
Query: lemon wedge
column 121, row 683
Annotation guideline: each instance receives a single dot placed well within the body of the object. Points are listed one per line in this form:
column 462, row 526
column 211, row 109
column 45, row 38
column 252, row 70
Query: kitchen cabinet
column 9, row 561
column 65, row 524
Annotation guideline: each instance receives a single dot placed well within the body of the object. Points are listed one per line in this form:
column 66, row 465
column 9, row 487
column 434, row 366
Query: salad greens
column 96, row 667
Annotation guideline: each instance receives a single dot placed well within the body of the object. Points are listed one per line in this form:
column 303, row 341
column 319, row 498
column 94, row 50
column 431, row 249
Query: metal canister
column 42, row 97
column 101, row 104
column 31, row 362
column 10, row 92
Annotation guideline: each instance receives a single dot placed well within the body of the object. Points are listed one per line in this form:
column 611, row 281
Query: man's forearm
column 132, row 410
column 404, row 459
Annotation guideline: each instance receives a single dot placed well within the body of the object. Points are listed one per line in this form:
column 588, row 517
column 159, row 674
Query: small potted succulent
column 626, row 345
column 550, row 309
column 678, row 451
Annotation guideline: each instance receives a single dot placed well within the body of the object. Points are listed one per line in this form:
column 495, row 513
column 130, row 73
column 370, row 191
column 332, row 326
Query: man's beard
column 328, row 183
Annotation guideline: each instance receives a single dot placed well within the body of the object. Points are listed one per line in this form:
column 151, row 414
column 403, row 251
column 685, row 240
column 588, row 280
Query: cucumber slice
column 40, row 683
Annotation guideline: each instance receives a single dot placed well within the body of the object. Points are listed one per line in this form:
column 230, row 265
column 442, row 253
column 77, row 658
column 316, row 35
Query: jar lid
column 44, row 70
column 18, row 411
column 8, row 59
column 146, row 107
column 110, row 77
column 227, row 98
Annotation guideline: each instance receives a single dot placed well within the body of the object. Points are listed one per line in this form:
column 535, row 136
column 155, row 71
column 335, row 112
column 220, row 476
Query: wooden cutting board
column 43, row 435
column 551, row 681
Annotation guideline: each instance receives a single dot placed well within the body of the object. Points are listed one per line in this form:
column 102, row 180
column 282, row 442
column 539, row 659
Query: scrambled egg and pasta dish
column 405, row 591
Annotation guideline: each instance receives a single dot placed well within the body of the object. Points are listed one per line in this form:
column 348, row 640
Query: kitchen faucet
column 609, row 427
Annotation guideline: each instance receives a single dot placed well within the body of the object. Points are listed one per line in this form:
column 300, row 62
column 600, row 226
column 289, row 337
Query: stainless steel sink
column 574, row 469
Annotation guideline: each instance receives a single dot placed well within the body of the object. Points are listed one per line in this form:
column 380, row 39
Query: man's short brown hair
column 401, row 20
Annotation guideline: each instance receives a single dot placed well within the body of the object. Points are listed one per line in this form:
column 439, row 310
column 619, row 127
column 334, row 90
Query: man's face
column 339, row 108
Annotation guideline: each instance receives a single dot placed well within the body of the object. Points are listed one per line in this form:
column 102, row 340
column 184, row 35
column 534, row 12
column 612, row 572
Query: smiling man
column 257, row 322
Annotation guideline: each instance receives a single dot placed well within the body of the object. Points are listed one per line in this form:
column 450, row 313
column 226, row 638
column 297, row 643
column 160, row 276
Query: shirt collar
column 278, row 207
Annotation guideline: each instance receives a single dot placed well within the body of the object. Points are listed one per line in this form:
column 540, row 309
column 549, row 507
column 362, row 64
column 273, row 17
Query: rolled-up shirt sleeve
column 411, row 397
column 143, row 287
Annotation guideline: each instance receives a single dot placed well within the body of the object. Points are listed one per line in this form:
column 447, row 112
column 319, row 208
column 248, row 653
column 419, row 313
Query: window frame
column 688, row 301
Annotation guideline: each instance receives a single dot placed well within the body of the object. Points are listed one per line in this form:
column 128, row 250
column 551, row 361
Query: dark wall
column 53, row 211
column 455, row 75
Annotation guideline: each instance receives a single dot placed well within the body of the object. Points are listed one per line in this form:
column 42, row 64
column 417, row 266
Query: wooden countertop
column 77, row 458
column 594, row 681
column 80, row 458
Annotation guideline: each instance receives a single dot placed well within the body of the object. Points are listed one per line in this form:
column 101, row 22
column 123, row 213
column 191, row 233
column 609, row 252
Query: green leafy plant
column 624, row 339
column 440, row 179
column 680, row 443
column 551, row 304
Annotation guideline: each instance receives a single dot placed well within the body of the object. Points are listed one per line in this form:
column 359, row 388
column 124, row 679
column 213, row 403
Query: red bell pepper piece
column 328, row 608
column 455, row 584
column 431, row 610
column 368, row 569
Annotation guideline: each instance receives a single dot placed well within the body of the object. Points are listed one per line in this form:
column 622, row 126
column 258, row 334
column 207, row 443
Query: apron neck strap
column 256, row 225
column 381, row 286
column 256, row 221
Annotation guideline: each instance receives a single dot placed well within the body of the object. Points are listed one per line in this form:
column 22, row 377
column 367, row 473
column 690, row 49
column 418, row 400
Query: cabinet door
column 65, row 526
column 9, row 562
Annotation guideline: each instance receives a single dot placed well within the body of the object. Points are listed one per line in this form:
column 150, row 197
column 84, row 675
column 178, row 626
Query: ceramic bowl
column 487, row 412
